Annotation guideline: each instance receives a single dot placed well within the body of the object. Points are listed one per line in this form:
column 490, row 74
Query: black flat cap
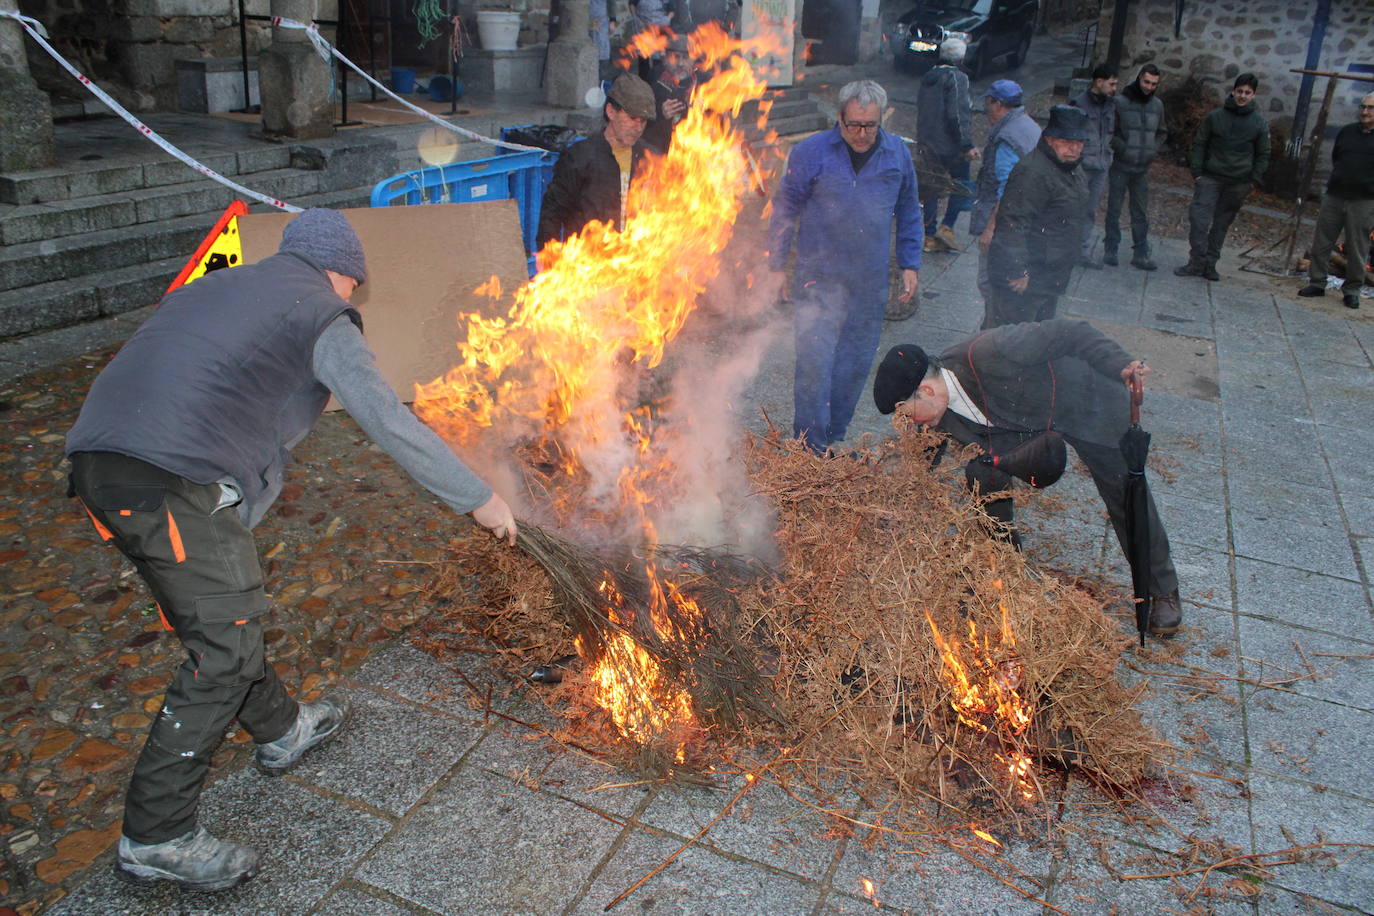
column 899, row 375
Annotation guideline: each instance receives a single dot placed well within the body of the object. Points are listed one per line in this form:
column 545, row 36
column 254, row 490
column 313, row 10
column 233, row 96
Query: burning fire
column 984, row 676
column 564, row 363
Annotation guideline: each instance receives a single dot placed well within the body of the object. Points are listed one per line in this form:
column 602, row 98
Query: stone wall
column 1219, row 39
column 130, row 46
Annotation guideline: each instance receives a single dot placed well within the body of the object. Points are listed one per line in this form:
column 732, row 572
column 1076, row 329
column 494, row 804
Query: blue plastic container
column 521, row 175
column 442, row 89
column 402, row 80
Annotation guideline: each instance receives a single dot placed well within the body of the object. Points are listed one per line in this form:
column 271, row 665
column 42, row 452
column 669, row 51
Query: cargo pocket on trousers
column 231, row 635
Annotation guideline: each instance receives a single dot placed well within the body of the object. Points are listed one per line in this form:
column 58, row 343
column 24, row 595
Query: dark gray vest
column 218, row 382
column 1020, row 133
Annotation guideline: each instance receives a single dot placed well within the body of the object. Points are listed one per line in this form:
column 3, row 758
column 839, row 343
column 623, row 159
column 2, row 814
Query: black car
column 995, row 30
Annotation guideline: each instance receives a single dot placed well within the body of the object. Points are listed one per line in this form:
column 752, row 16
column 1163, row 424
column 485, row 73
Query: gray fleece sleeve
column 343, row 362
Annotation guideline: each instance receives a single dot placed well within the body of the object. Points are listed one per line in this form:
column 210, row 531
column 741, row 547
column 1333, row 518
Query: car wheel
column 1022, row 50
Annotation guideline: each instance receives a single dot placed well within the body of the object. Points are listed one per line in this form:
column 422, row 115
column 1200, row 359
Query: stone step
column 95, row 178
column 112, row 288
column 65, row 302
column 344, row 154
column 329, row 170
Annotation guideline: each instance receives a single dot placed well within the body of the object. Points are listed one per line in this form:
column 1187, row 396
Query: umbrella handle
column 1137, row 395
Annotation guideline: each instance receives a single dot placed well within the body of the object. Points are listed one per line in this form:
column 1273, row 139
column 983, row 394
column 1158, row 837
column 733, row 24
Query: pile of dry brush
column 878, row 554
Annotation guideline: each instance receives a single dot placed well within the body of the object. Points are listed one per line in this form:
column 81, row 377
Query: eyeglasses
column 861, row 127
column 1367, row 108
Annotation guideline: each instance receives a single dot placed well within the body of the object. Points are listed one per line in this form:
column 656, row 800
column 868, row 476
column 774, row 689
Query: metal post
column 243, row 53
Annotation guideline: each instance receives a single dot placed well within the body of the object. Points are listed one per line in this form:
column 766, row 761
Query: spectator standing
column 1230, row 155
column 1039, row 224
column 1012, row 134
column 672, row 93
column 943, row 121
column 838, row 198
column 1140, row 132
column 1098, row 103
column 1347, row 205
column 592, row 178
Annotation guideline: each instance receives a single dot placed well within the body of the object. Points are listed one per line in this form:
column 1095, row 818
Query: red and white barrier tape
column 325, row 49
column 39, row 34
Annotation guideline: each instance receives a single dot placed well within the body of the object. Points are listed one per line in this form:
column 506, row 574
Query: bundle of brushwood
column 895, row 645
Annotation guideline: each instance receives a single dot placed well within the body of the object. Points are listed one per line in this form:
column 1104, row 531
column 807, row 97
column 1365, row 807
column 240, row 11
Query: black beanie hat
column 326, row 237
column 899, row 375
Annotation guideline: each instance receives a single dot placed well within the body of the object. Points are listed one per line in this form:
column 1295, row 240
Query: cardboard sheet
column 423, row 263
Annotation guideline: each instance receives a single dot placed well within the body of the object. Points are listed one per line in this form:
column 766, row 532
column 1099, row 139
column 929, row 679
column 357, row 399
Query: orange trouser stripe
column 105, row 533
column 163, row 617
column 174, row 533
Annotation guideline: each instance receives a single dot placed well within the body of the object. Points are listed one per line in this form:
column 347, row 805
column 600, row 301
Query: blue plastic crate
column 521, row 176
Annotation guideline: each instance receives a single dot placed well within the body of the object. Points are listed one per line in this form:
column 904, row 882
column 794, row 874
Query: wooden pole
column 1309, row 168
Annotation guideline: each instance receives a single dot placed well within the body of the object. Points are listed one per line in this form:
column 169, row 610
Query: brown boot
column 1166, row 616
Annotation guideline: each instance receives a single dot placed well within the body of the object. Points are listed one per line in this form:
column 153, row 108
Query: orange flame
column 984, row 676
column 566, row 359
column 870, row 891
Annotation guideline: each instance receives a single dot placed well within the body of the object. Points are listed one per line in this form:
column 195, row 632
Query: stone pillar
column 25, row 110
column 294, row 80
column 572, row 66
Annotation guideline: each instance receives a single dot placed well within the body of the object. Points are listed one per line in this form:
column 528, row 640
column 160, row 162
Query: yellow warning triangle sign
column 220, row 248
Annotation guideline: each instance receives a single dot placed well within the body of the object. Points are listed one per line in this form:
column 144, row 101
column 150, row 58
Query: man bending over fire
column 1021, row 391
column 178, row 453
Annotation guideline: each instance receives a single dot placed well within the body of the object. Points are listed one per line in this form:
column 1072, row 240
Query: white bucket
column 498, row 29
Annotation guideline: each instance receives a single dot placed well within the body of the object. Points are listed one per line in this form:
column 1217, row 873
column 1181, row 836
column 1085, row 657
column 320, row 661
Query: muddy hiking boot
column 1191, row 269
column 316, row 723
column 195, row 861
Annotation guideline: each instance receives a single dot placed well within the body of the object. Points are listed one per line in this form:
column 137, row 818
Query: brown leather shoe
column 1165, row 615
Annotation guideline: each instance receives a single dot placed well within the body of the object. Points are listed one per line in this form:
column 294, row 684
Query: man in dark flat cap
column 591, row 179
column 1039, row 225
column 1021, row 392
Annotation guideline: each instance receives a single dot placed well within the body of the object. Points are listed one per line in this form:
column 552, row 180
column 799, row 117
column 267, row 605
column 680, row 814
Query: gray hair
column 952, row 50
column 865, row 92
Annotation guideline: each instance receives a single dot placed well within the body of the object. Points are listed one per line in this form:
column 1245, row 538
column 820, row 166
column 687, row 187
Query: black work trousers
column 1216, row 202
column 1120, row 183
column 1108, row 469
column 202, row 567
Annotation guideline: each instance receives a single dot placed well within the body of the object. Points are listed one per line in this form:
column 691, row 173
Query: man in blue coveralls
column 838, row 197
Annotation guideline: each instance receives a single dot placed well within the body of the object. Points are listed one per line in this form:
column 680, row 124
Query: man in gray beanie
column 178, row 453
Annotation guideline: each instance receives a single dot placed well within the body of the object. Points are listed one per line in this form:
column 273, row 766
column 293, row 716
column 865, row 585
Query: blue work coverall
column 842, row 223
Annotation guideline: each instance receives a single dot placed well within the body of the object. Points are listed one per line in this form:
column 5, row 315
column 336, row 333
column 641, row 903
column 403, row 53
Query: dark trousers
column 1216, row 202
column 1108, row 469
column 1120, row 183
column 836, row 331
column 1097, row 182
column 202, row 567
column 958, row 168
column 1355, row 218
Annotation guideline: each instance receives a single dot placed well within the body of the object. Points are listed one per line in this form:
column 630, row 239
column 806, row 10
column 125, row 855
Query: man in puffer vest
column 178, row 453
column 1140, row 132
column 1230, row 156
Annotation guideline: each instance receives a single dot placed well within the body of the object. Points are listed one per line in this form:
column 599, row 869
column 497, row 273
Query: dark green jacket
column 1232, row 144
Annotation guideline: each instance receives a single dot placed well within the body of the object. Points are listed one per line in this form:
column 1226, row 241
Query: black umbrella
column 1135, row 448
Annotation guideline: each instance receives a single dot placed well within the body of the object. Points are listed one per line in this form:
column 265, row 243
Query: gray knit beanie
column 325, row 237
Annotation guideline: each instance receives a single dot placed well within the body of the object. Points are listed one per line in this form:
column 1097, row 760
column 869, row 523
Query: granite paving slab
column 420, row 677
column 1204, row 576
column 309, row 842
column 1286, row 543
column 1296, row 501
column 390, row 752
column 484, row 844
column 1316, row 665
column 1309, row 740
column 696, row 883
column 945, row 882
column 1290, row 813
column 1304, row 598
column 766, row 825
column 361, row 900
